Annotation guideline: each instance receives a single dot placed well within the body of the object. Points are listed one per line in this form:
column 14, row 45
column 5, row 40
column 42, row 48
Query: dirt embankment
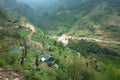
column 1, row 28
column 10, row 75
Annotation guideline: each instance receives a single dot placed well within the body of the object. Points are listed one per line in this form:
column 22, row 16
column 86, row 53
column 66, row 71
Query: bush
column 8, row 59
column 79, row 71
column 88, row 47
column 2, row 63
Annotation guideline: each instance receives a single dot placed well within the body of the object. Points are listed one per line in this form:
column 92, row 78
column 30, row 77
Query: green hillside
column 20, row 8
column 30, row 53
column 7, row 17
column 92, row 19
column 81, row 17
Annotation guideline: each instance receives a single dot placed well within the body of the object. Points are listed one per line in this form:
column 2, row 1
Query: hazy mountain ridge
column 73, row 15
column 63, row 15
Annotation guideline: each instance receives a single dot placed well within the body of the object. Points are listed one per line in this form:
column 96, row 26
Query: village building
column 47, row 58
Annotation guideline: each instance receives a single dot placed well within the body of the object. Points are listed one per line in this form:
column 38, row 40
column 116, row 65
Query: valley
column 59, row 40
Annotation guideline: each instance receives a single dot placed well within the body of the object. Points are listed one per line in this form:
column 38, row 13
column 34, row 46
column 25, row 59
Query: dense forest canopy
column 53, row 14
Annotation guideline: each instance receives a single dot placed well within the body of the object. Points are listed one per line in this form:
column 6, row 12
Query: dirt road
column 65, row 39
column 34, row 44
column 1, row 28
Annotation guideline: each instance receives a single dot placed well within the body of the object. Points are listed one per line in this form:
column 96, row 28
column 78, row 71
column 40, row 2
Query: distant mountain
column 82, row 18
column 8, row 3
column 20, row 8
column 43, row 4
column 76, row 17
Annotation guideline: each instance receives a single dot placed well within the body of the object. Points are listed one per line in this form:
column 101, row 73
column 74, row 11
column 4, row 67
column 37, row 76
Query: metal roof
column 46, row 56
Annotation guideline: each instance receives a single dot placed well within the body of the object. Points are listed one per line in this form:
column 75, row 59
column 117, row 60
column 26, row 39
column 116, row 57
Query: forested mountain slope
column 72, row 17
column 23, row 45
column 89, row 19
column 21, row 8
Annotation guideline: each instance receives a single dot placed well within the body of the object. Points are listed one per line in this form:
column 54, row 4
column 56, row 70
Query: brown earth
column 32, row 43
column 6, row 74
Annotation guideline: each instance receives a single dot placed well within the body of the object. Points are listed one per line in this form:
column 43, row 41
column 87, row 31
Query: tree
column 37, row 61
column 24, row 49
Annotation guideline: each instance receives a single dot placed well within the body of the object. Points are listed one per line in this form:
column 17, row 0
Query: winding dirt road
column 29, row 26
column 32, row 43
